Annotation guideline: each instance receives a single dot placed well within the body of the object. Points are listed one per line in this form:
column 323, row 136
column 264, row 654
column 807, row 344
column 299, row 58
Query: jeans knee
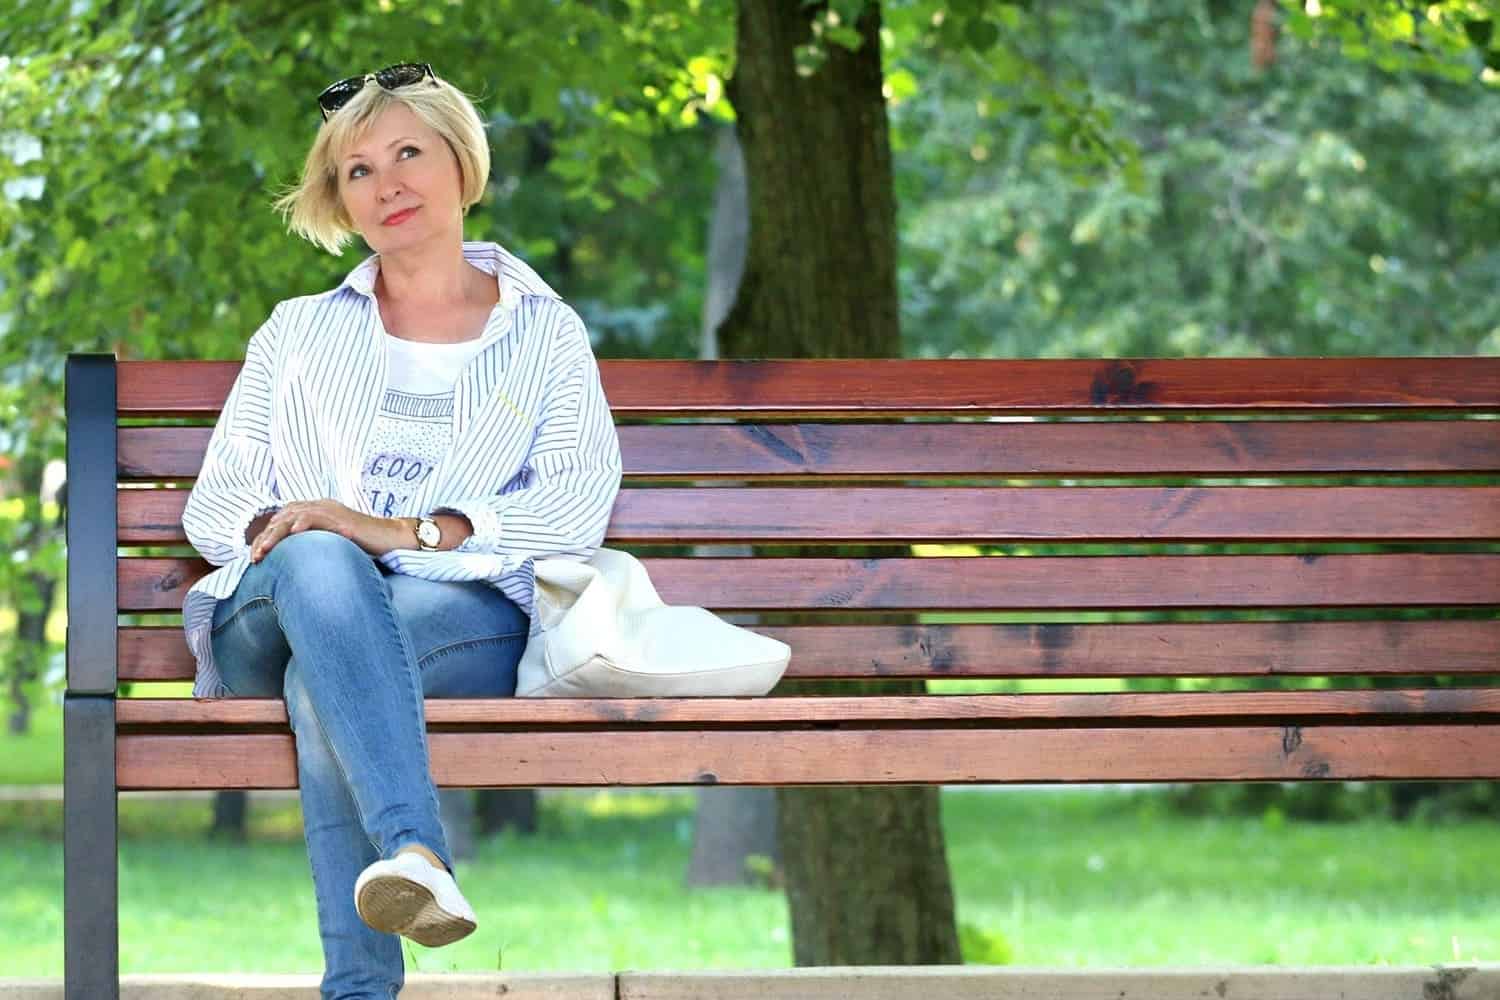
column 299, row 711
column 312, row 749
column 317, row 558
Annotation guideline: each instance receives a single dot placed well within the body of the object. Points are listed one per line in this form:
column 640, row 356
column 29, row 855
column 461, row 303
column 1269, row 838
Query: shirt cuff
column 485, row 521
column 242, row 547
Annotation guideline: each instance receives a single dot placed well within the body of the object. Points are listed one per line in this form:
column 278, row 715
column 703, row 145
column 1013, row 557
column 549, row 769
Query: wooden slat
column 1012, row 449
column 1003, row 583
column 994, row 514
column 851, row 756
column 1046, row 385
column 631, row 713
column 1134, row 649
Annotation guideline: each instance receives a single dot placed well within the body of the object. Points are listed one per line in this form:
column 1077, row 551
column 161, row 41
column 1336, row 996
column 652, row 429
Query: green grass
column 1076, row 877
column 35, row 758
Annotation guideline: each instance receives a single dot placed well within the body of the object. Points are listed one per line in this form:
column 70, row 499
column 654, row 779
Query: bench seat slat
column 1132, row 649
column 989, row 514
column 855, row 756
column 895, row 450
column 876, row 386
column 154, row 583
column 634, row 713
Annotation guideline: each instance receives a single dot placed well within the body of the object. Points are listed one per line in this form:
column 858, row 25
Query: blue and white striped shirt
column 534, row 461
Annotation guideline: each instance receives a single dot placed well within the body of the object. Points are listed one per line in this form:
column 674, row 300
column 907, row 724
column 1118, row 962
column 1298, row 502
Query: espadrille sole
column 397, row 905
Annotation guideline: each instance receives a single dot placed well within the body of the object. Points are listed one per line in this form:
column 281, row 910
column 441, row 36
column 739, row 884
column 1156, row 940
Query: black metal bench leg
column 91, row 872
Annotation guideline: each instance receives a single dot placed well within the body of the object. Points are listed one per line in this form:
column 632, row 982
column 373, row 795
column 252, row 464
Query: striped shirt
column 533, row 459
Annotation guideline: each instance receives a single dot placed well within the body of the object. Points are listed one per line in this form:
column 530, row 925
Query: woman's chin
column 388, row 239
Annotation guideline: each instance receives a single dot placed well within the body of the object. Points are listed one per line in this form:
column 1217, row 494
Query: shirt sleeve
column 560, row 502
column 236, row 481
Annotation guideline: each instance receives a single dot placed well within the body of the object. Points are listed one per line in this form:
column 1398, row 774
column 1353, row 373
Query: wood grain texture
column 869, row 756
column 993, row 514
column 631, row 714
column 774, row 469
column 151, row 583
column 1136, row 649
column 974, row 386
column 1012, row 449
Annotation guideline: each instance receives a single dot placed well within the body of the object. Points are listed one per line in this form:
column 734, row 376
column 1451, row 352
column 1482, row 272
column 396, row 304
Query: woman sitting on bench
column 394, row 454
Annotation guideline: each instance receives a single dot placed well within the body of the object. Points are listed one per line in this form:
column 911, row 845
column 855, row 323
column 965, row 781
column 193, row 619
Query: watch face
column 428, row 533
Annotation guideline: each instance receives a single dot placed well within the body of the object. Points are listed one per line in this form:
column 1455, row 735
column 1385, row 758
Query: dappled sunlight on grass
column 1084, row 876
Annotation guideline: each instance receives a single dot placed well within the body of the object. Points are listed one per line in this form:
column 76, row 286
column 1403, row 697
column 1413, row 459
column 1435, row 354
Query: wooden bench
column 1031, row 459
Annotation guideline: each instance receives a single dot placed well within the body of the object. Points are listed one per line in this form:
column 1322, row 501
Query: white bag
column 606, row 634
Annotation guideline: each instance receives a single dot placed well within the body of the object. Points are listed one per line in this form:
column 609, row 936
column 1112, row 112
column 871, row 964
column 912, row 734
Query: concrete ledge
column 234, row 986
column 1469, row 981
column 970, row 982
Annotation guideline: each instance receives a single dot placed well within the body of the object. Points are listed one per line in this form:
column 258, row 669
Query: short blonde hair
column 313, row 209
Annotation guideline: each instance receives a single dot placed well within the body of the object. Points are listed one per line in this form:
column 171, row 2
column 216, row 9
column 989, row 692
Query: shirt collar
column 514, row 276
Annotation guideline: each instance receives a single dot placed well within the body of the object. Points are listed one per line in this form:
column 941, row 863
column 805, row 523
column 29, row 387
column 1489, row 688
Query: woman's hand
column 376, row 535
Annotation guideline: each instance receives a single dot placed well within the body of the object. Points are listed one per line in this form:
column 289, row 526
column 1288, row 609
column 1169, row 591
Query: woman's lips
column 400, row 217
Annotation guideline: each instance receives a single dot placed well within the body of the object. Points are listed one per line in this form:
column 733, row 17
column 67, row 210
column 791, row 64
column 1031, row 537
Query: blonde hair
column 312, row 208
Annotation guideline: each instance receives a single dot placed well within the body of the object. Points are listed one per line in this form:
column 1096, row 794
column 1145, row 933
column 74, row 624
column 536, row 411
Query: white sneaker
column 407, row 895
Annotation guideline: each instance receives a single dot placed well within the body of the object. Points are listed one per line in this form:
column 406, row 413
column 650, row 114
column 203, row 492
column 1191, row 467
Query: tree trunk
column 820, row 280
column 456, row 813
column 29, row 650
column 867, row 874
column 230, row 809
column 734, row 825
column 502, row 807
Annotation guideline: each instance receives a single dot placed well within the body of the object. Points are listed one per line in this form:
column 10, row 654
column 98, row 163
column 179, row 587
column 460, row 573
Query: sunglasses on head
column 336, row 95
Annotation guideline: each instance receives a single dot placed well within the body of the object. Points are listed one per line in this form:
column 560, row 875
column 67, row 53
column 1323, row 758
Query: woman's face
column 398, row 166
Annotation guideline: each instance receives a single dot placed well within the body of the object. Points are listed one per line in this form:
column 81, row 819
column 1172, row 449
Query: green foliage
column 1454, row 39
column 1425, row 803
column 760, row 869
column 1321, row 206
column 983, row 947
column 984, row 45
column 164, row 133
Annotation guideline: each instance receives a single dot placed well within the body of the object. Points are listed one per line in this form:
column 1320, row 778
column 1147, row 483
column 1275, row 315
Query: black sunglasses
column 336, row 95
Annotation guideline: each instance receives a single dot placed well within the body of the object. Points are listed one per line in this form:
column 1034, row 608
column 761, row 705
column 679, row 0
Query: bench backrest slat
column 1050, row 649
column 991, row 514
column 870, row 387
column 960, row 583
column 859, row 756
column 1049, row 474
column 992, row 448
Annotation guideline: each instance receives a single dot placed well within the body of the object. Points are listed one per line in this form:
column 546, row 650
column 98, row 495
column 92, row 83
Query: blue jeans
column 353, row 649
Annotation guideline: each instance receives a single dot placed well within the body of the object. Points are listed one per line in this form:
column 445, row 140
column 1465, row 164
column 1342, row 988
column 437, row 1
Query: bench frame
column 1454, row 720
column 91, row 879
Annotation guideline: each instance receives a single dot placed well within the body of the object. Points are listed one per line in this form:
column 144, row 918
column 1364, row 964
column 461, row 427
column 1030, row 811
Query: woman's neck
column 431, row 280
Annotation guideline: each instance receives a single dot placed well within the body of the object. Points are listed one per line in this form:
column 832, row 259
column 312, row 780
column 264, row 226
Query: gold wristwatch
column 429, row 534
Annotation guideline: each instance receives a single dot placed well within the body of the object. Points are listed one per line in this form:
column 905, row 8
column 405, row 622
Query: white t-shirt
column 414, row 424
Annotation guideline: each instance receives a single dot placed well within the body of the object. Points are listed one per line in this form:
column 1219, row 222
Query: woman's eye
column 353, row 171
